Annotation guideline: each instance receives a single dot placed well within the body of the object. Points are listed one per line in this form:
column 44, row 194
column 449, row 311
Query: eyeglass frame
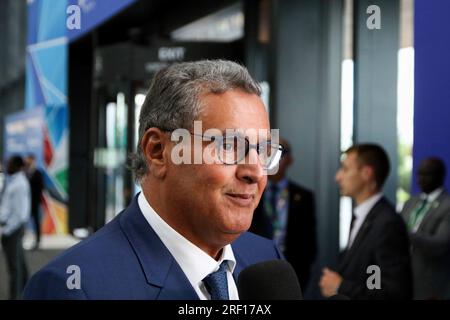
column 248, row 146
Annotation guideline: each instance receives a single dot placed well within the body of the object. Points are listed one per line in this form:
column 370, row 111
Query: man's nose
column 337, row 177
column 251, row 170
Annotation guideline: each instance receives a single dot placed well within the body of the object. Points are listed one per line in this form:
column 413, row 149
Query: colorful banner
column 55, row 161
column 46, row 65
column 46, row 90
column 43, row 132
column 46, row 94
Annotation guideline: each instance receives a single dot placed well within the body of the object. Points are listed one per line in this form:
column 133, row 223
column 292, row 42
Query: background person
column 378, row 236
column 286, row 214
column 184, row 236
column 14, row 214
column 37, row 185
column 428, row 218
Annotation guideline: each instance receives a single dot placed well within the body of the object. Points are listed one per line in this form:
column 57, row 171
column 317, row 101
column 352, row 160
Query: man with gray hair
column 204, row 151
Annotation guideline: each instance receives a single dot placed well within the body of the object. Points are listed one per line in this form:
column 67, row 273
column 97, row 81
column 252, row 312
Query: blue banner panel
column 46, row 20
column 432, row 80
column 94, row 12
column 46, row 67
column 33, row 21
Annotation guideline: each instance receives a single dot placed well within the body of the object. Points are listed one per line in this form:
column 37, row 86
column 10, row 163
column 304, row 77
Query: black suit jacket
column 300, row 243
column 383, row 241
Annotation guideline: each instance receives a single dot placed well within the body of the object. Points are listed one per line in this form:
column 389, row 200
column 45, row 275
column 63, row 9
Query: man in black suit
column 286, row 214
column 37, row 185
column 376, row 262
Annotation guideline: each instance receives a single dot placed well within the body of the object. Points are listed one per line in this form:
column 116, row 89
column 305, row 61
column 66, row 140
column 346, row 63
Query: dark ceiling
column 155, row 19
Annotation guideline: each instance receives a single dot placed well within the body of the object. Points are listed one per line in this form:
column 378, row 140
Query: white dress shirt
column 361, row 212
column 195, row 263
column 432, row 195
column 15, row 204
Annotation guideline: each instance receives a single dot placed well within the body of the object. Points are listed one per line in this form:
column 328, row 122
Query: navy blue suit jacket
column 127, row 260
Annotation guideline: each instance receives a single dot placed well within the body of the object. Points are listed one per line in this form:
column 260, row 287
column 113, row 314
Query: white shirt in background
column 15, row 203
column 361, row 212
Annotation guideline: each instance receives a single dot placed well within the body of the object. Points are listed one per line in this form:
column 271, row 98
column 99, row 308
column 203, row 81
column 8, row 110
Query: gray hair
column 173, row 100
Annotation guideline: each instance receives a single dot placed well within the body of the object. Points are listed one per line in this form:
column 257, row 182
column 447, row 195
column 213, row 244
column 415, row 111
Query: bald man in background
column 287, row 215
column 428, row 218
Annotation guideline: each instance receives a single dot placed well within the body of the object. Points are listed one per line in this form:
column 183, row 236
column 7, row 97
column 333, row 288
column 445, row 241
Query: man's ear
column 153, row 145
column 368, row 173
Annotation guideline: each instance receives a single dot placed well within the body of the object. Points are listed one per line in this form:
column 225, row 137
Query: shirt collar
column 363, row 209
column 432, row 195
column 195, row 263
column 16, row 174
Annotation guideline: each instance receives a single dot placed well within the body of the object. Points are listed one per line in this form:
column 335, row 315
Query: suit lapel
column 349, row 253
column 411, row 206
column 359, row 239
column 159, row 266
column 432, row 213
column 177, row 285
column 241, row 263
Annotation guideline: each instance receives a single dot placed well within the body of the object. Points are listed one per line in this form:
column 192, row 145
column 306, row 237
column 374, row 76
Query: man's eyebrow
column 241, row 133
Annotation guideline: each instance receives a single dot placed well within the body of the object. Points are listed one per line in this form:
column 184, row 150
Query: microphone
column 269, row 280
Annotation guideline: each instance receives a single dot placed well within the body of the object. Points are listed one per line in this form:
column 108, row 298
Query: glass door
column 111, row 155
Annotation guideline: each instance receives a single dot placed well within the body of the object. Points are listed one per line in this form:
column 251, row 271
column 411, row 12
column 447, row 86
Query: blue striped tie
column 217, row 283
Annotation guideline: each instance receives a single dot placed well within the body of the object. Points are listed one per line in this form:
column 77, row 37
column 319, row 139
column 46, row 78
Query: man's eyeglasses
column 232, row 149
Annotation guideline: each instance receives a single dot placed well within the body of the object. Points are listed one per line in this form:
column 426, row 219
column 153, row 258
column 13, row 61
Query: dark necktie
column 352, row 224
column 217, row 284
